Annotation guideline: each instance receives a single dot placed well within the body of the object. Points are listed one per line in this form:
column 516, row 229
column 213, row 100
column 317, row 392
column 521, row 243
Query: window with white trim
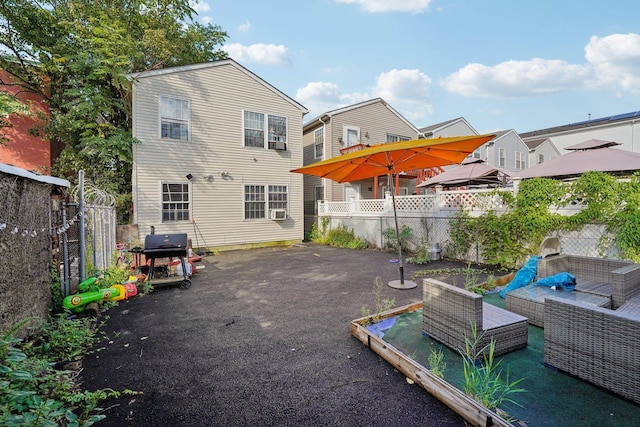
column 519, row 160
column 540, row 158
column 259, row 200
column 175, row 202
column 351, row 136
column 396, row 138
column 476, row 153
column 318, row 143
column 502, row 157
column 175, row 118
column 255, row 125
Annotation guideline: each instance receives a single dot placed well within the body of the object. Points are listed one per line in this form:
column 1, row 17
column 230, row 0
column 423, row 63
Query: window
column 476, row 153
column 351, row 136
column 254, row 130
column 258, row 201
column 540, row 158
column 519, row 160
column 318, row 196
column 318, row 143
column 501, row 157
column 175, row 115
column 395, row 138
column 175, row 202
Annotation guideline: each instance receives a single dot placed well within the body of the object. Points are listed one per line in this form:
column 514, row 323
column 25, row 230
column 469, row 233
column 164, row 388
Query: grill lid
column 165, row 245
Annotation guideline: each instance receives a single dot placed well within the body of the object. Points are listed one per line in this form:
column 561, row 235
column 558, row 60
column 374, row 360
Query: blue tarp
column 523, row 277
column 566, row 281
column 378, row 328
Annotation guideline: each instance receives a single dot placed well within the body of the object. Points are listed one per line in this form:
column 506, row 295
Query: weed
column 437, row 364
column 484, row 381
column 381, row 304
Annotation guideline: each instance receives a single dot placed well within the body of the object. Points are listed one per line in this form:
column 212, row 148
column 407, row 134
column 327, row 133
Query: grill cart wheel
column 186, row 283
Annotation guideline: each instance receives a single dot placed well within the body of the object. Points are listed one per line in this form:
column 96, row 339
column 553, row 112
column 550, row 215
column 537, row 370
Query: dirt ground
column 261, row 338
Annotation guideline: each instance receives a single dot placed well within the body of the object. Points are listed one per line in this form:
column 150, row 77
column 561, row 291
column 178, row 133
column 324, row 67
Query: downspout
column 324, row 151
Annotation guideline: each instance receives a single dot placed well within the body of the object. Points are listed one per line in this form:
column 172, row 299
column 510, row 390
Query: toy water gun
column 91, row 292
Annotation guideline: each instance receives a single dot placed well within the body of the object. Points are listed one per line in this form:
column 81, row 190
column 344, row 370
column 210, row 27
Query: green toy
column 91, row 292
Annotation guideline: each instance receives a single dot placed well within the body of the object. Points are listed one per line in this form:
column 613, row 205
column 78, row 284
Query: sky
column 500, row 64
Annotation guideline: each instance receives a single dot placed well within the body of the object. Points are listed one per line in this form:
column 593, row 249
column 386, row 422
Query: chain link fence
column 431, row 231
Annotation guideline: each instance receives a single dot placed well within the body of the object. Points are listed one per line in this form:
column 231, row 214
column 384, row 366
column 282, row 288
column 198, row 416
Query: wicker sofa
column 616, row 279
column 448, row 313
column 596, row 344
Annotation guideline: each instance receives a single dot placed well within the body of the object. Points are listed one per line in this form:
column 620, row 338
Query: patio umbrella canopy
column 394, row 158
column 472, row 172
column 591, row 155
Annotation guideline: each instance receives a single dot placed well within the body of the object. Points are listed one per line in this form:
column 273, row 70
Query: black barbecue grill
column 167, row 246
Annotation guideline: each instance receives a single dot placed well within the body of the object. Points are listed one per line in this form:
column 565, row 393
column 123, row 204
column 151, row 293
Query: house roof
column 12, row 170
column 213, row 64
column 584, row 124
column 432, row 128
column 592, row 155
column 534, row 143
column 331, row 113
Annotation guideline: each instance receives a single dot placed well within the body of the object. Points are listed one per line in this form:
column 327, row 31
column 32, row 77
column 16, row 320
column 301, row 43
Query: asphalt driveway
column 261, row 338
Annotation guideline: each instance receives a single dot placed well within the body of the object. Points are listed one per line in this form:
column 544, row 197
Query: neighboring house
column 453, row 127
column 506, row 151
column 24, row 149
column 336, row 131
column 622, row 128
column 541, row 150
column 216, row 146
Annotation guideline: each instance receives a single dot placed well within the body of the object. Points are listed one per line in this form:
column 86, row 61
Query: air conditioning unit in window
column 278, row 214
column 280, row 145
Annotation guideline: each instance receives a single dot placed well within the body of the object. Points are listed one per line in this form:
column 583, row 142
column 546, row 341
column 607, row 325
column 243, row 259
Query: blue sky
column 500, row 64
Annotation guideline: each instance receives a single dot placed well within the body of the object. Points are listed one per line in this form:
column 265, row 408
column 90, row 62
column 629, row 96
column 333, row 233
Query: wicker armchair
column 616, row 279
column 448, row 313
column 599, row 345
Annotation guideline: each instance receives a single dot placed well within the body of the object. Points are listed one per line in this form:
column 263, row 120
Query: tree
column 76, row 54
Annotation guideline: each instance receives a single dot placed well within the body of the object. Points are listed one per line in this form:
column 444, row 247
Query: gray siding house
column 541, row 150
column 216, row 146
column 507, row 151
column 366, row 123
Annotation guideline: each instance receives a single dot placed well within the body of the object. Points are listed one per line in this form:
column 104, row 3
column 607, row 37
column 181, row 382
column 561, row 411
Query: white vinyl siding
column 175, row 118
column 175, row 202
column 216, row 145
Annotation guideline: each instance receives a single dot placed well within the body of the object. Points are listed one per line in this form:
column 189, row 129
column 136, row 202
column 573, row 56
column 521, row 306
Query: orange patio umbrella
column 394, row 158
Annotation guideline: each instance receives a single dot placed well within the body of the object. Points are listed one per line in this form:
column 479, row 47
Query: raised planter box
column 463, row 405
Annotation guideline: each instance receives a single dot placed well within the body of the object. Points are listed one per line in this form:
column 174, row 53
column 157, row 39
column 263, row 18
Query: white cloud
column 405, row 90
column 381, row 6
column 260, row 53
column 199, row 5
column 612, row 63
column 616, row 60
column 320, row 97
column 513, row 79
column 244, row 27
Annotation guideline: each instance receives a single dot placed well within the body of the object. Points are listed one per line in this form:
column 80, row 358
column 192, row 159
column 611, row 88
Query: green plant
column 484, row 382
column 471, row 277
column 437, row 364
column 344, row 238
column 34, row 393
column 404, row 235
column 420, row 257
column 381, row 304
column 63, row 339
column 57, row 295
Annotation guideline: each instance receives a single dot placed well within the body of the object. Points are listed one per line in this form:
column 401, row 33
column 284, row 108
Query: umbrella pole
column 399, row 284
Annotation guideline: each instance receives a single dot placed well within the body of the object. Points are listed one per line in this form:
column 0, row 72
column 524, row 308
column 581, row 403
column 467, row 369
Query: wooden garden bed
column 463, row 405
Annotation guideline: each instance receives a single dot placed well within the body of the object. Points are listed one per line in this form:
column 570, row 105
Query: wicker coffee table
column 528, row 301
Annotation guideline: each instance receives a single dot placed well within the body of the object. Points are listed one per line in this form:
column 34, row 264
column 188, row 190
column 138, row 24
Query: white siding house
column 216, row 146
column 621, row 128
